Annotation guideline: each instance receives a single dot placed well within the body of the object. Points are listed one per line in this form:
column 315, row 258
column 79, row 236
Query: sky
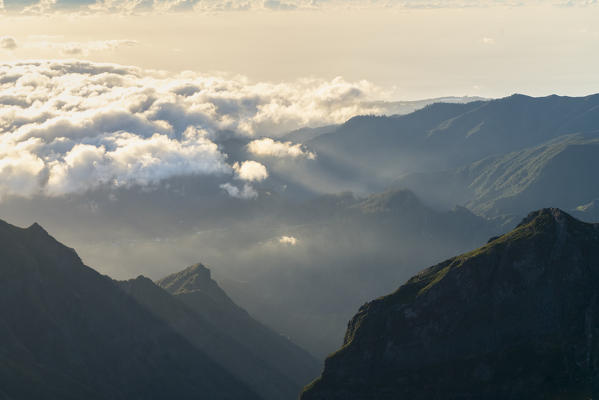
column 411, row 49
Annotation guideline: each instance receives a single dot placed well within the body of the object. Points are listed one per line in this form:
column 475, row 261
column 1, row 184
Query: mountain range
column 369, row 153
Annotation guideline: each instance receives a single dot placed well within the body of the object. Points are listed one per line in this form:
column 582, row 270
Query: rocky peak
column 192, row 278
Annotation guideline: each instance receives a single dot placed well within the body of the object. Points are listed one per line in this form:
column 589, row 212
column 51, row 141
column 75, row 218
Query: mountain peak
column 540, row 218
column 198, row 268
column 35, row 227
column 193, row 278
column 394, row 199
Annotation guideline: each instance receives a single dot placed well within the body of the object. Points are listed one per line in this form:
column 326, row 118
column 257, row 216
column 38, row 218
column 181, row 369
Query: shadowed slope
column 235, row 357
column 195, row 288
column 68, row 332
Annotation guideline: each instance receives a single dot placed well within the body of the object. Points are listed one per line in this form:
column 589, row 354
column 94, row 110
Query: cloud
column 278, row 5
column 71, row 126
column 246, row 192
column 8, row 43
column 82, row 48
column 273, row 148
column 288, row 240
column 128, row 159
column 487, row 40
column 250, row 171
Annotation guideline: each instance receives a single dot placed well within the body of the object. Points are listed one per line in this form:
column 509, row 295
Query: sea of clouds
column 71, row 126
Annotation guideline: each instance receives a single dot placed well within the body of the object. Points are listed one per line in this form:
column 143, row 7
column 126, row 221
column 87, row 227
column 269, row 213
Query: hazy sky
column 411, row 49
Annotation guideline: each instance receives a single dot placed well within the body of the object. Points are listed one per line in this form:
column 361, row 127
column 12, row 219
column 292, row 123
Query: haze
column 413, row 49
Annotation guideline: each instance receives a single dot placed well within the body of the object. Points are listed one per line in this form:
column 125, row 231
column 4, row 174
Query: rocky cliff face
column 517, row 318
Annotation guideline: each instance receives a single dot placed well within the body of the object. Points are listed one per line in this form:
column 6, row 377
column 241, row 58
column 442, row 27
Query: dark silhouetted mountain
column 560, row 172
column 240, row 355
column 195, row 287
column 68, row 332
column 516, row 319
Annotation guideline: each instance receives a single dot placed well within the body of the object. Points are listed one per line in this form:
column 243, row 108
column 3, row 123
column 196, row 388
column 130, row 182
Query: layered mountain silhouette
column 195, row 287
column 196, row 307
column 370, row 152
column 68, row 332
column 515, row 319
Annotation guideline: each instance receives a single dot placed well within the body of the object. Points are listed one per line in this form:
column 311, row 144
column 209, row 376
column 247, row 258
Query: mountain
column 283, row 367
column 303, row 135
column 557, row 172
column 376, row 150
column 517, row 318
column 239, row 354
column 195, row 287
column 68, row 332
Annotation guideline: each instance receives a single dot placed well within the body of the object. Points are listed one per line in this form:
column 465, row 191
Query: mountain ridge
column 195, row 288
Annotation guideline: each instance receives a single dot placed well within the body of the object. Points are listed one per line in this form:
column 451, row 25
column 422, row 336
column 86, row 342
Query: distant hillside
column 393, row 107
column 516, row 319
column 559, row 172
column 68, row 332
column 445, row 136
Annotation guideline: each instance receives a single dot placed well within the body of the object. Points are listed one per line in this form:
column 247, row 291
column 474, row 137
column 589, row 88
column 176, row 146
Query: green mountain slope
column 516, row 319
column 559, row 172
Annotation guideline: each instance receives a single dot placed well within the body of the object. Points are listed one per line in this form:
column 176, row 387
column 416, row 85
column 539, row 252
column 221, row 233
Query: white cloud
column 82, row 48
column 246, row 192
column 288, row 240
column 274, row 148
column 71, row 126
column 7, row 42
column 250, row 171
column 133, row 161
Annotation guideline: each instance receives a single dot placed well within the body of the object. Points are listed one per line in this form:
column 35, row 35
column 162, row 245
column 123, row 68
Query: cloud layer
column 71, row 126
column 145, row 6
